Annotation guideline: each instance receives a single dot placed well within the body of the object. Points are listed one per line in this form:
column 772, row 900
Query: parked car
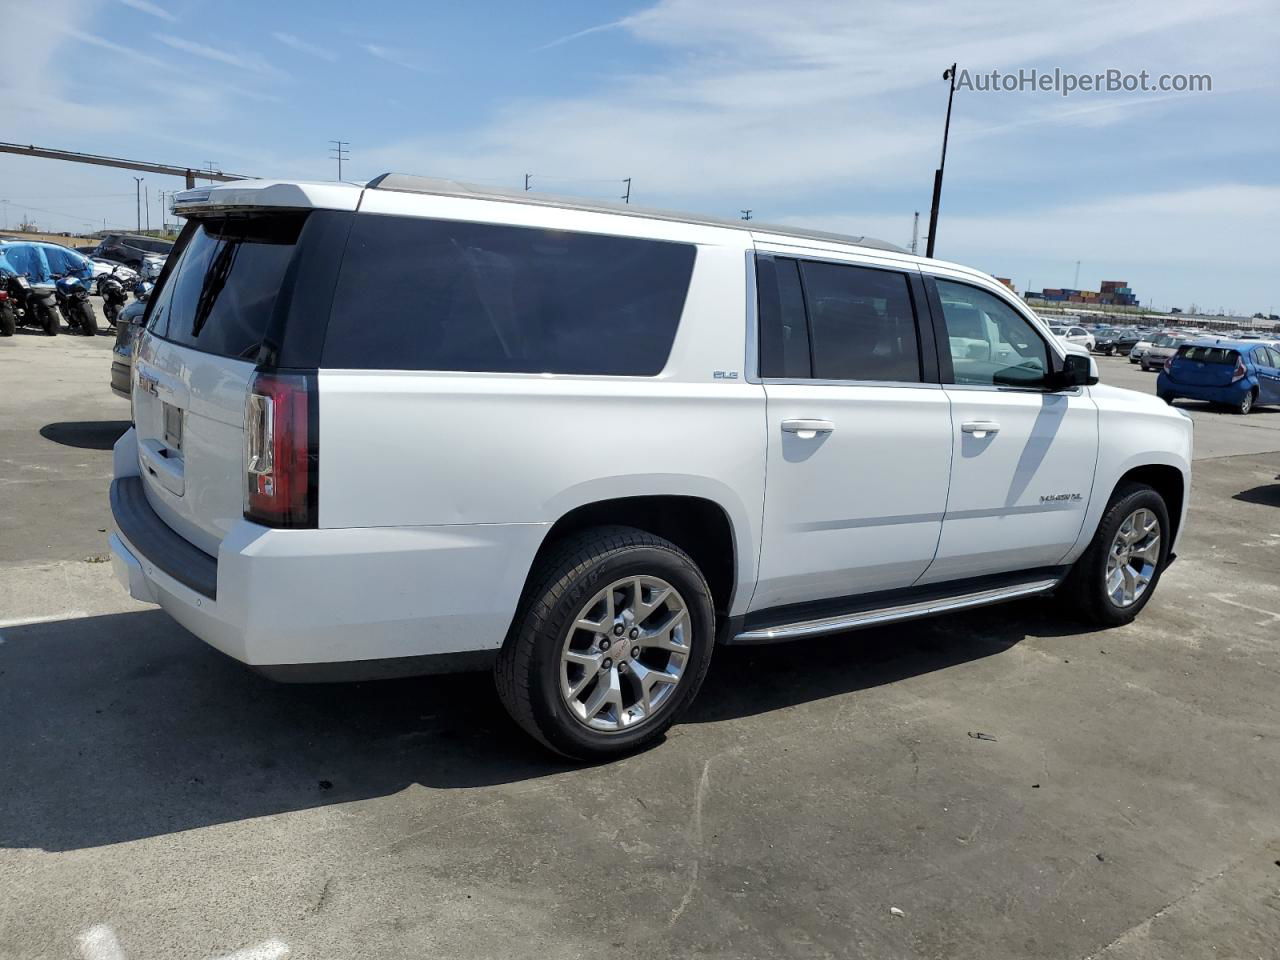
column 1237, row 373
column 128, row 328
column 1074, row 334
column 132, row 250
column 1162, row 348
column 1117, row 341
column 419, row 426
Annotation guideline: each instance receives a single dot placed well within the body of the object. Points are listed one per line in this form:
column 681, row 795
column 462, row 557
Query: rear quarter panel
column 406, row 448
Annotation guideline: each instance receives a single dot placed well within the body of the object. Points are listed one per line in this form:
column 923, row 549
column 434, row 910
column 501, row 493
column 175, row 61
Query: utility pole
column 340, row 152
column 147, row 194
column 948, row 74
column 626, row 197
column 1075, row 285
column 915, row 233
column 526, row 180
column 137, row 189
column 746, row 214
column 6, row 213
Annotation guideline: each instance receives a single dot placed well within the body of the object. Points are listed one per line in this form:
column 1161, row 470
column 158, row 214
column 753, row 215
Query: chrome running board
column 894, row 614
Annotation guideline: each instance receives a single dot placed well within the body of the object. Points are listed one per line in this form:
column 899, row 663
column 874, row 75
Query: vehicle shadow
column 1268, row 495
column 125, row 726
column 85, row 434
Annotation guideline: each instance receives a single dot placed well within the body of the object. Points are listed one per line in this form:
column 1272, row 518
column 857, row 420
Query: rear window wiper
column 214, row 280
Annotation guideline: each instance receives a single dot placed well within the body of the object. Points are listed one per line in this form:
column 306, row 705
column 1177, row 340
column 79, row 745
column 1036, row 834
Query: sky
column 824, row 114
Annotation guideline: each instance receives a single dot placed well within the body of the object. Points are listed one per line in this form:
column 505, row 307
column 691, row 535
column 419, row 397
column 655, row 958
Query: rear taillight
column 281, row 450
column 4, row 295
column 1240, row 372
column 1168, row 364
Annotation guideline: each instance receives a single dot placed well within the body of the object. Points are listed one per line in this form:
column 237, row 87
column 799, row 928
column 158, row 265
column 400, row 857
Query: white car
column 417, row 426
column 1077, row 335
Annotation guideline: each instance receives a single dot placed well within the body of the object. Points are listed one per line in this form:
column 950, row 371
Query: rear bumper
column 1229, row 395
column 330, row 604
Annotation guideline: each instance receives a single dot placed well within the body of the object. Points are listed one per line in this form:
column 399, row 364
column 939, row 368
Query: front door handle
column 807, row 429
column 980, row 428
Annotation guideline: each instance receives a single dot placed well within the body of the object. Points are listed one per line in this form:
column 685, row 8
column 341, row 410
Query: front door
column 859, row 446
column 1024, row 459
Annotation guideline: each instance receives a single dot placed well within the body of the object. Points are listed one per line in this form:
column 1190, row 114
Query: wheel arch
column 698, row 525
column 1167, row 480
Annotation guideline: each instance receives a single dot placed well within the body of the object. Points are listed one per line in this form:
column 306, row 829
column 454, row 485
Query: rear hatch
column 1204, row 366
column 193, row 367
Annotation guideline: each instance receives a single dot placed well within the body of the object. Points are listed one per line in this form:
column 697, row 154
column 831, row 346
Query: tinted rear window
column 1209, row 354
column 861, row 322
column 417, row 294
column 221, row 292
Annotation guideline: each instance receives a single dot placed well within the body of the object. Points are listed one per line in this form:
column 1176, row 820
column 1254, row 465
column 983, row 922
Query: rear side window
column 220, row 295
column 861, row 323
column 1263, row 357
column 784, row 331
column 1222, row 355
column 417, row 294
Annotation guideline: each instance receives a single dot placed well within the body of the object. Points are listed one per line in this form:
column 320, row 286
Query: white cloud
column 151, row 9
column 251, row 63
column 302, row 46
column 390, row 55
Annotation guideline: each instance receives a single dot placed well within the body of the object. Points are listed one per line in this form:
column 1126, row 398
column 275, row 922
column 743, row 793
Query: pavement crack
column 699, row 795
column 323, row 899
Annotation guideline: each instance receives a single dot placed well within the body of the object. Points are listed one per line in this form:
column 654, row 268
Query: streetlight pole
column 137, row 192
column 948, row 74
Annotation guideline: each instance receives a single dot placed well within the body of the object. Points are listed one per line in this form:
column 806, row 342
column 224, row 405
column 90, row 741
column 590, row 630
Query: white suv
column 415, row 427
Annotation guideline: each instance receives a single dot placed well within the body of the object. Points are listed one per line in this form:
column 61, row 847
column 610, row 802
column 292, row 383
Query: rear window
column 1209, row 355
column 1164, row 341
column 417, row 294
column 222, row 290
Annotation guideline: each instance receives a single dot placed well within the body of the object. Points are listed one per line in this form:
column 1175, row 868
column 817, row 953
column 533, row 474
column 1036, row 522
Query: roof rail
column 407, row 183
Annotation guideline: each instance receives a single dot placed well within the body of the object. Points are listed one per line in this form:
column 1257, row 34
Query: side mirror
column 1077, row 371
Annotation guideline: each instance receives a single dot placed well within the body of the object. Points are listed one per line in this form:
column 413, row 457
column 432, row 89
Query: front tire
column 87, row 318
column 49, row 321
column 610, row 644
column 1116, row 576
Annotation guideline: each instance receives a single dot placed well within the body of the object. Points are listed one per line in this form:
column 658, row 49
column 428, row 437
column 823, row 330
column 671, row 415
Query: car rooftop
column 291, row 193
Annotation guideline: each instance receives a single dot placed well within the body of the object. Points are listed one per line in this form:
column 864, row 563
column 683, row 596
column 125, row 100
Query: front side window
column 418, row 294
column 990, row 342
column 861, row 323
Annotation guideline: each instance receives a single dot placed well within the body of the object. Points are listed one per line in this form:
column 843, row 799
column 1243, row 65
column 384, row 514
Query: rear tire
column 1088, row 591
column 87, row 318
column 48, row 321
column 8, row 322
column 551, row 669
column 1245, row 405
column 1166, row 397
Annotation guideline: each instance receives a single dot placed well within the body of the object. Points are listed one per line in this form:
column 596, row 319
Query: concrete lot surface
column 157, row 800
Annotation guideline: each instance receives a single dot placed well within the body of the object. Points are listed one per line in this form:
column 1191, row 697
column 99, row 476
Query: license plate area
column 172, row 427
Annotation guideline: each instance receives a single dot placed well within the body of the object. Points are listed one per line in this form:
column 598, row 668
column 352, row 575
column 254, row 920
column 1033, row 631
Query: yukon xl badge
column 1060, row 497
column 726, row 375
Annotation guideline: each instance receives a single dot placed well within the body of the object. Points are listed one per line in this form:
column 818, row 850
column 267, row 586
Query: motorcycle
column 72, row 296
column 8, row 320
column 111, row 289
column 33, row 305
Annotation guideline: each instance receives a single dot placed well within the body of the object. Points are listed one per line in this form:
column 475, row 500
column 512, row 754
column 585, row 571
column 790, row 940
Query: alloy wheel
column 1132, row 559
column 625, row 654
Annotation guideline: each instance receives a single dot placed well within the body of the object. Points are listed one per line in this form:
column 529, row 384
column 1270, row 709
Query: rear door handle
column 807, row 429
column 980, row 428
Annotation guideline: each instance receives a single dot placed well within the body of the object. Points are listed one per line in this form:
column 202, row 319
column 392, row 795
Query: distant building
column 1008, row 283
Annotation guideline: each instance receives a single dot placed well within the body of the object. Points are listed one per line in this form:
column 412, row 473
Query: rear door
column 193, row 368
column 859, row 431
column 1024, row 459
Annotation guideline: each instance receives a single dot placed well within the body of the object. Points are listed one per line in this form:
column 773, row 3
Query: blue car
column 1237, row 373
